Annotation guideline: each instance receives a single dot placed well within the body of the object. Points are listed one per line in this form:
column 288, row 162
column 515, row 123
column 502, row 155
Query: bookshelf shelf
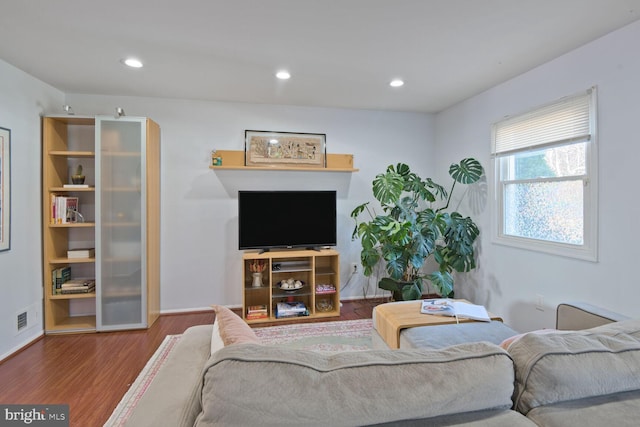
column 71, row 260
column 74, row 154
column 71, row 190
column 73, row 296
column 74, row 225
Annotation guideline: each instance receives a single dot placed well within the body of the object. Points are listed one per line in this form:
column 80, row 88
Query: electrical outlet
column 355, row 268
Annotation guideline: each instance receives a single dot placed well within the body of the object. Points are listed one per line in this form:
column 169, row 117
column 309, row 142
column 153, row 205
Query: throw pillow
column 506, row 343
column 216, row 339
column 231, row 328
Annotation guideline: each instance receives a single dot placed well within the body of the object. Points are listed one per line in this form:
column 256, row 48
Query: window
column 546, row 178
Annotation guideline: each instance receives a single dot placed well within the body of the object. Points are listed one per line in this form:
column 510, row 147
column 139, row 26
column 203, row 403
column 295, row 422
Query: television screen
column 286, row 219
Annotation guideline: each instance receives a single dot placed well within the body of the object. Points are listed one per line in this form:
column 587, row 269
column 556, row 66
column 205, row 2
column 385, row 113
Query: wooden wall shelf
column 234, row 160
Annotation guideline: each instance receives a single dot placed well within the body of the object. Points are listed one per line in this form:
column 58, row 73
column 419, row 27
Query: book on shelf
column 62, row 208
column 59, row 276
column 256, row 316
column 74, row 283
column 261, row 308
column 81, row 253
column 257, row 312
column 457, row 309
column 77, row 186
column 291, row 309
column 78, row 290
column 78, row 286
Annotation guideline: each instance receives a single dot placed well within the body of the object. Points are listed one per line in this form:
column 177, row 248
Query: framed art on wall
column 284, row 149
column 5, row 188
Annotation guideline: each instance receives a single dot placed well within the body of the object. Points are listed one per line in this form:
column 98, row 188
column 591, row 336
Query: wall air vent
column 22, row 320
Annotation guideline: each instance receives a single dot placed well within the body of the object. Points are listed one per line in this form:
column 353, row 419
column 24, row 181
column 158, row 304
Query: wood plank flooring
column 91, row 372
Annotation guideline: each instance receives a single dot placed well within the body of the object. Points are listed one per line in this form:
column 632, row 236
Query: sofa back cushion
column 563, row 366
column 250, row 384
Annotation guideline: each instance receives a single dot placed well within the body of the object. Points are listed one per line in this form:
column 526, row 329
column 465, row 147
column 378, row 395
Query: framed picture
column 284, row 149
column 5, row 189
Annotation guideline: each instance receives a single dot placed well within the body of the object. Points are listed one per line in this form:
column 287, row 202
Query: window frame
column 588, row 250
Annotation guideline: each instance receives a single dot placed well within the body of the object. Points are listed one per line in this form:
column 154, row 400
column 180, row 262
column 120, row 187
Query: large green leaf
column 468, row 171
column 388, row 186
column 412, row 291
column 407, row 290
column 438, row 190
column 443, row 281
column 389, row 284
column 369, row 258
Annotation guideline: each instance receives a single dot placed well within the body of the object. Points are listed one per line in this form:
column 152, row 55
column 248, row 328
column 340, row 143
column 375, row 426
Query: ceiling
column 341, row 53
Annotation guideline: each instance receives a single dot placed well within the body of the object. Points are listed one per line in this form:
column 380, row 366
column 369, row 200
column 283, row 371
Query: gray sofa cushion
column 620, row 409
column 565, row 366
column 486, row 418
column 445, row 335
column 172, row 399
column 249, row 384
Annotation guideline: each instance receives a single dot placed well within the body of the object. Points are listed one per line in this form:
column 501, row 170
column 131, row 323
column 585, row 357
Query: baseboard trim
column 20, row 348
column 194, row 310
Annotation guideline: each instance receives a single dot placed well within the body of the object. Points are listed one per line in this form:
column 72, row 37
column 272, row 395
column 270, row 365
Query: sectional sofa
column 219, row 375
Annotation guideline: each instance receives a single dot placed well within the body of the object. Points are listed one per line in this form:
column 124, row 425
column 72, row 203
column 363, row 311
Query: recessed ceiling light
column 283, row 75
column 396, row 83
column 132, row 62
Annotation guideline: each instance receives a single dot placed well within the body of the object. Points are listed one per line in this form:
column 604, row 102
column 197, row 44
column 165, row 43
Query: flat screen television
column 286, row 219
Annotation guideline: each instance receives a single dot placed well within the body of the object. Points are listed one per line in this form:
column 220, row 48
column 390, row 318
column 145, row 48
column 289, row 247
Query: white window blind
column 545, row 175
column 566, row 120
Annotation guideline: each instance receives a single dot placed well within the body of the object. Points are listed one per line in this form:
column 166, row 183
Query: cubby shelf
column 310, row 267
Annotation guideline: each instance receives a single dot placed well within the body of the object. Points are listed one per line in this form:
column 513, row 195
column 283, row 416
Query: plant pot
column 77, row 179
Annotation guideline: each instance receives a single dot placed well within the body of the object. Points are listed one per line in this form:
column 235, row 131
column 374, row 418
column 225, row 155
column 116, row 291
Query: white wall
column 509, row 279
column 200, row 260
column 201, row 263
column 22, row 100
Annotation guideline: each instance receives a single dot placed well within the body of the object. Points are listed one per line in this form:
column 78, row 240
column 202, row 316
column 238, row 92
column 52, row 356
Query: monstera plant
column 416, row 225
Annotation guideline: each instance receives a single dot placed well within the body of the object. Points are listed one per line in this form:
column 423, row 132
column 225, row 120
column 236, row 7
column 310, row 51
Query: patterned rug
column 348, row 335
column 140, row 385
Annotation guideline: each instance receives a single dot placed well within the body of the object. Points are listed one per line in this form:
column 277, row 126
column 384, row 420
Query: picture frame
column 285, row 149
column 5, row 189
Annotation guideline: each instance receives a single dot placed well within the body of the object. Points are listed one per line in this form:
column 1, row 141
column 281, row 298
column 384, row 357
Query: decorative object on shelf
column 256, row 267
column 78, row 178
column 413, row 228
column 304, row 150
column 323, row 305
column 325, row 288
column 67, row 108
column 215, row 159
column 119, row 112
column 73, row 216
column 291, row 284
column 5, row 189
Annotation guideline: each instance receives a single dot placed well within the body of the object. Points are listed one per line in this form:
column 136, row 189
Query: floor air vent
column 22, row 320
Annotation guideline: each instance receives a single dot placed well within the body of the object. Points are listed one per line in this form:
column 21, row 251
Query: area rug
column 348, row 335
column 140, row 385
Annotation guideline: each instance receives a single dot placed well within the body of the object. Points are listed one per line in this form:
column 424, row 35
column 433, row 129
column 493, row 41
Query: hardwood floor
column 91, row 372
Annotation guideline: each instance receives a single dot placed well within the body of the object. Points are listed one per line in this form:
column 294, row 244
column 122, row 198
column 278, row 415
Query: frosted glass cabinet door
column 120, row 229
